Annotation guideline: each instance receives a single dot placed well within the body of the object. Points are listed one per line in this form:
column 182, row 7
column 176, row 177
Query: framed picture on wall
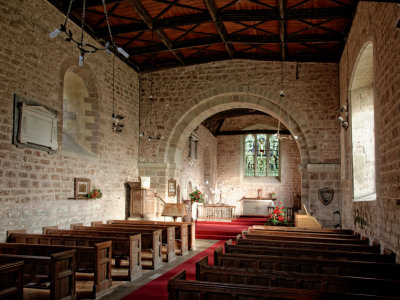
column 171, row 187
column 82, row 187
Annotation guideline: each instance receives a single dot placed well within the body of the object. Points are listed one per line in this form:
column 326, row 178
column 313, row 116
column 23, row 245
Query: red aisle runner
column 157, row 289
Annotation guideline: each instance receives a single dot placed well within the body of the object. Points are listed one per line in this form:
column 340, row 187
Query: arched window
column 79, row 115
column 363, row 127
column 261, row 155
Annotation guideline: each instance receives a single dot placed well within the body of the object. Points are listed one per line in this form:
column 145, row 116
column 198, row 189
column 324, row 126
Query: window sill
column 262, row 180
column 371, row 197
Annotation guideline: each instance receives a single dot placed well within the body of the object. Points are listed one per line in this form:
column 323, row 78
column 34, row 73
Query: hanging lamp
column 85, row 47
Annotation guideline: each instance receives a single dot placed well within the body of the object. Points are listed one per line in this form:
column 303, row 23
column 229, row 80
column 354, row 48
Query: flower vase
column 194, row 210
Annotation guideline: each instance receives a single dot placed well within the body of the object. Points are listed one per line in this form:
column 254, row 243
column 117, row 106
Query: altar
column 256, row 206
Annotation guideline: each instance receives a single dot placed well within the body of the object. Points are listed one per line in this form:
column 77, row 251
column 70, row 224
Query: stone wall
column 203, row 169
column 378, row 220
column 231, row 171
column 36, row 187
column 188, row 95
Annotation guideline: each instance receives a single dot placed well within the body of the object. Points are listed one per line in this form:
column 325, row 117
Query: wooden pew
column 168, row 234
column 305, row 234
column 151, row 242
column 121, row 247
column 323, row 283
column 181, row 233
column 11, row 285
column 96, row 259
column 301, row 252
column 181, row 289
column 308, row 265
column 304, row 229
column 191, row 228
column 56, row 272
column 307, row 245
column 303, row 238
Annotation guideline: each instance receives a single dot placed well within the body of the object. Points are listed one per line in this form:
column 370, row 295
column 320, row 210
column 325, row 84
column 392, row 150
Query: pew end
column 71, row 227
column 202, row 261
column 46, row 228
column 10, row 232
column 217, row 252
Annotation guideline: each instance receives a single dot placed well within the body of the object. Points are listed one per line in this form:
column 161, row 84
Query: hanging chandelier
column 150, row 128
column 84, row 47
column 150, row 122
column 282, row 97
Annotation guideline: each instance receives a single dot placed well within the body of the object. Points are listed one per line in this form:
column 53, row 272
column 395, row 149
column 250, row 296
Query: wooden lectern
column 306, row 221
column 174, row 210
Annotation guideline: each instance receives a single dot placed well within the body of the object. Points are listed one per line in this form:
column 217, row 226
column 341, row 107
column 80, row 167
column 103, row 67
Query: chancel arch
column 180, row 128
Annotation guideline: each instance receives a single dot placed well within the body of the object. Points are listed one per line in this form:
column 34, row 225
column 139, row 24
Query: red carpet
column 157, row 289
column 225, row 230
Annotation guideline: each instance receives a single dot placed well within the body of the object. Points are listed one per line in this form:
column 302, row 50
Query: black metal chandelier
column 84, row 48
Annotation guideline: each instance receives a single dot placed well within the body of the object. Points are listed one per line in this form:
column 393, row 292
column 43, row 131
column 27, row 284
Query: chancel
column 138, row 137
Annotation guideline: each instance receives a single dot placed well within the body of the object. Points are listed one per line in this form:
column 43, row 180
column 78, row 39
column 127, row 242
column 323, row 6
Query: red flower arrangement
column 196, row 196
column 94, row 194
column 278, row 216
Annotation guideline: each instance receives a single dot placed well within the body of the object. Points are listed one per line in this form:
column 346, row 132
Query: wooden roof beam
column 245, row 39
column 230, row 16
column 149, row 22
column 282, row 27
column 220, row 27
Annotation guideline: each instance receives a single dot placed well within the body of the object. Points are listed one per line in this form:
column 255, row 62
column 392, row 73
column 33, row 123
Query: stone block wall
column 378, row 220
column 189, row 95
column 231, row 170
column 36, row 187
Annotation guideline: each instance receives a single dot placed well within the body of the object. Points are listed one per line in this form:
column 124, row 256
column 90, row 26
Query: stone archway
column 211, row 102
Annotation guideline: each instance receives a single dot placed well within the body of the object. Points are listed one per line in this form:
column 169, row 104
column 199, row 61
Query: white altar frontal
column 256, row 206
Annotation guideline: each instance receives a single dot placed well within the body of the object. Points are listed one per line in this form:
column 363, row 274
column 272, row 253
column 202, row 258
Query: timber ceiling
column 161, row 34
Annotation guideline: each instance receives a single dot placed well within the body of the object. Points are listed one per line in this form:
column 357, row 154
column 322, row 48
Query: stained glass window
column 261, row 155
column 249, row 150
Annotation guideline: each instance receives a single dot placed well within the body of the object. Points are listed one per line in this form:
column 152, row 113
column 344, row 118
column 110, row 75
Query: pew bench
column 307, row 245
column 303, row 238
column 304, row 234
column 303, row 229
column 323, row 283
column 181, row 289
column 168, row 235
column 307, row 265
column 11, row 284
column 181, row 233
column 301, row 252
column 151, row 243
column 121, row 247
column 191, row 228
column 55, row 272
column 96, row 260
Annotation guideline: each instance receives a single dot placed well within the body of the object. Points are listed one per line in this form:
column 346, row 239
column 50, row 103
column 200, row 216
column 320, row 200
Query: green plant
column 196, row 196
column 94, row 193
column 278, row 216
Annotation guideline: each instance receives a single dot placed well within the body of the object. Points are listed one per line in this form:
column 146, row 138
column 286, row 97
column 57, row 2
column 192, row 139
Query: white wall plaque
column 35, row 125
column 38, row 126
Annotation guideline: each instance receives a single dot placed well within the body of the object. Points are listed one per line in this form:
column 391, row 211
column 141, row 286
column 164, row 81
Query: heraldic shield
column 325, row 195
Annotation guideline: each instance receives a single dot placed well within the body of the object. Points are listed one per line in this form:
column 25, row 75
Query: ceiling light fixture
column 150, row 128
column 80, row 43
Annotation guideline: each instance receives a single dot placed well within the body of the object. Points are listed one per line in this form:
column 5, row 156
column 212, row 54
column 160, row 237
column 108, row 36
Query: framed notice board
column 171, row 187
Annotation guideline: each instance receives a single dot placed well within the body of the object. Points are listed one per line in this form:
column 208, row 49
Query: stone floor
column 124, row 288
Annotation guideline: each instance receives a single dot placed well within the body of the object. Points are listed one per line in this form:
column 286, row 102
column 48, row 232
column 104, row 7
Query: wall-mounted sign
column 171, row 187
column 35, row 125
